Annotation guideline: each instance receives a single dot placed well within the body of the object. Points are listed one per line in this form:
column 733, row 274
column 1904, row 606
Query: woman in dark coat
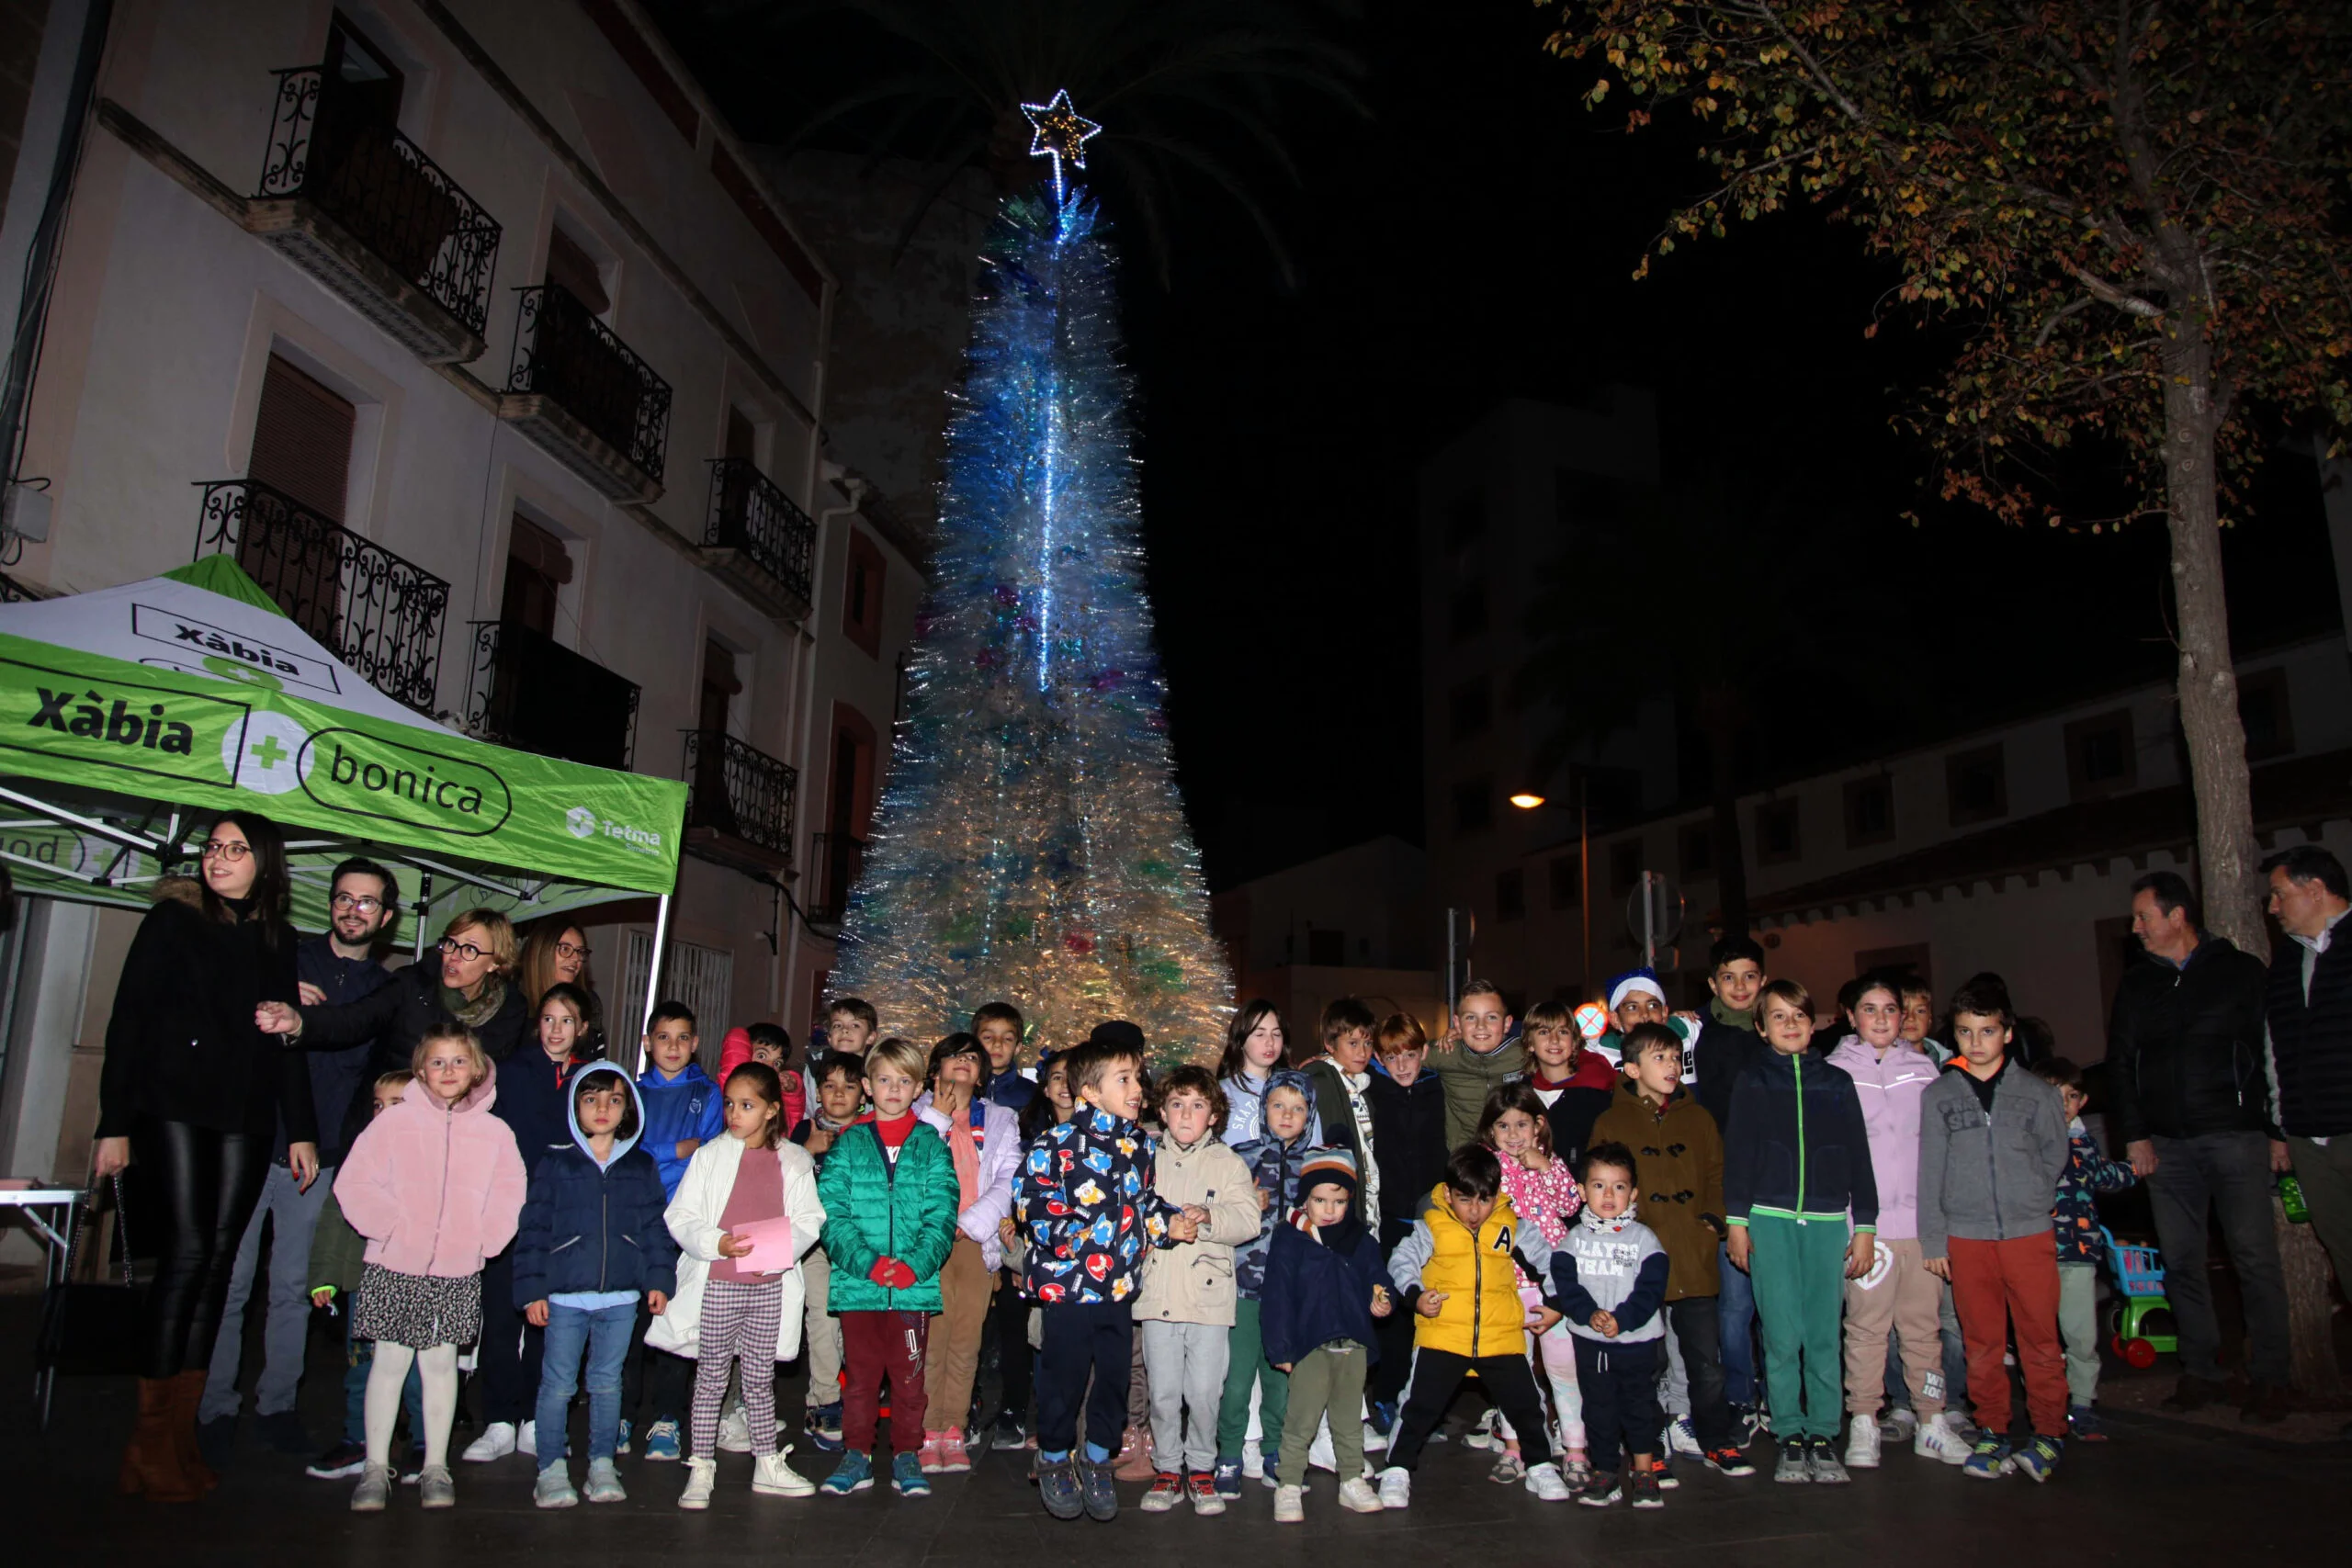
column 197, row 1092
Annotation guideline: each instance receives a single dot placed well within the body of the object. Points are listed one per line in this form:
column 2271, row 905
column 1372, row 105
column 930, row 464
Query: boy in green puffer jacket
column 891, row 1195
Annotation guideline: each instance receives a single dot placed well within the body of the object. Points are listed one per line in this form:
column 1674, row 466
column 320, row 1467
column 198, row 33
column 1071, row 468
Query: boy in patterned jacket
column 1086, row 1201
column 2088, row 1174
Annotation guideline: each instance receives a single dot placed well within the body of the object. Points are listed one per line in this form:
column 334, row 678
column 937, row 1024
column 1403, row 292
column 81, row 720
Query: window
column 1470, row 709
column 2100, row 760
column 742, row 437
column 1698, row 841
column 1511, row 895
column 862, row 594
column 1467, row 616
column 537, row 566
column 1776, row 832
column 1977, row 783
column 1327, row 949
column 1567, row 882
column 1465, row 520
column 702, row 978
column 302, row 439
column 1624, row 864
column 570, row 267
column 1474, row 806
column 367, row 85
column 1869, row 811
column 2262, row 707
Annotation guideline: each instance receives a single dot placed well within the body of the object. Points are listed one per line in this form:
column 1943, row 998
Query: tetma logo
column 581, row 822
column 585, row 824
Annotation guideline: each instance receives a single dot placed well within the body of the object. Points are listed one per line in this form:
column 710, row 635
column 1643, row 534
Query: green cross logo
column 270, row 757
column 269, row 752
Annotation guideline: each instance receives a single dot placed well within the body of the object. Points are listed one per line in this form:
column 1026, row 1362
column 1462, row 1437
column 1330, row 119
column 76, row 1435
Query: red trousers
column 878, row 1345
column 1998, row 1287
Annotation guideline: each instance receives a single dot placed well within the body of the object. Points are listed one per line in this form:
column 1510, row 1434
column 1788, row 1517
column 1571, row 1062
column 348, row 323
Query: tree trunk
column 2310, row 1336
column 2209, row 684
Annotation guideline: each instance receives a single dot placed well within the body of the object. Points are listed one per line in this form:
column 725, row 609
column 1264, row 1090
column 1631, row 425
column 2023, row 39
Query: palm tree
column 1190, row 92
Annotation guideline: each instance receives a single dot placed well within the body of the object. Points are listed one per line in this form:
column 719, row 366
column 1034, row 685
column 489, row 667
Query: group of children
column 1238, row 1273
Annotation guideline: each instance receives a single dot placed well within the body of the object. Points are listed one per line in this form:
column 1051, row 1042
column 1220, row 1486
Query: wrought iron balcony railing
column 759, row 537
column 739, row 792
column 380, row 613
column 530, row 691
column 565, row 354
column 835, row 861
column 381, row 189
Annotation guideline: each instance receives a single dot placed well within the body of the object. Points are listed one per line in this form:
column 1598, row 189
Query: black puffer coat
column 2184, row 1048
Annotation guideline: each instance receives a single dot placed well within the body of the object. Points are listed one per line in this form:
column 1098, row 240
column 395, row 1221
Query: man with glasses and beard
column 334, row 966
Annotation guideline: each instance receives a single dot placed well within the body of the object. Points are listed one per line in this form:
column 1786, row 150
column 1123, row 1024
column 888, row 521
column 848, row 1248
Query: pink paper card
column 771, row 1242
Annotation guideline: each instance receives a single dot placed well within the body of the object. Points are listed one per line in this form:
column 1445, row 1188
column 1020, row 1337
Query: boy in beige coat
column 1185, row 1308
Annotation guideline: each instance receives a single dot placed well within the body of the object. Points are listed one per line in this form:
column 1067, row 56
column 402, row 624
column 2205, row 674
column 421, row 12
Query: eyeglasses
column 572, row 950
column 354, row 901
column 453, row 948
column 230, row 850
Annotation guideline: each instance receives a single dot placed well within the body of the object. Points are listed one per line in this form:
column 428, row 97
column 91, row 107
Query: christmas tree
column 1031, row 843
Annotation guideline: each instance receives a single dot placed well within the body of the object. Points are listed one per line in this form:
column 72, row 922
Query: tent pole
column 424, row 907
column 653, row 977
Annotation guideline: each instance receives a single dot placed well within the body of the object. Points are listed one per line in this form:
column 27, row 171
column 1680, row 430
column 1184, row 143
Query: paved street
column 2160, row 1493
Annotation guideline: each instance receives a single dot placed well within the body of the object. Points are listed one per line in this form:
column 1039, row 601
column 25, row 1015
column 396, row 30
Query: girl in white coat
column 722, row 1312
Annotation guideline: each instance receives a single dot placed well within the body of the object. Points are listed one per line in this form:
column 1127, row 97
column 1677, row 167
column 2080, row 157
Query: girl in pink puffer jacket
column 436, row 1185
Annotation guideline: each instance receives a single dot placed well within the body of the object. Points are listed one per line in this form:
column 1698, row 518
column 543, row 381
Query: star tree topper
column 1060, row 132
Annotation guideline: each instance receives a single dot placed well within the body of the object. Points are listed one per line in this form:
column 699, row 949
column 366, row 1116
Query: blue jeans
column 292, row 1215
column 358, row 1355
column 1735, row 1316
column 605, row 1334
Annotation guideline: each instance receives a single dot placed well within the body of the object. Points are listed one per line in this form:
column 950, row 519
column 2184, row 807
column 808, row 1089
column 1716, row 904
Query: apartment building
column 475, row 336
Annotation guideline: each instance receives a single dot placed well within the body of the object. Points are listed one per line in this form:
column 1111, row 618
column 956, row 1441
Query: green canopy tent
column 130, row 716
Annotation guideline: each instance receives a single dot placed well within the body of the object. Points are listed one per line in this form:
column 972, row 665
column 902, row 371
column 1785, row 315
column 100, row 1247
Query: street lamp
column 1529, row 800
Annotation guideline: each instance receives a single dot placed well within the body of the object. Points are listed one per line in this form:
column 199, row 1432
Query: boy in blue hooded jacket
column 683, row 1111
column 591, row 1245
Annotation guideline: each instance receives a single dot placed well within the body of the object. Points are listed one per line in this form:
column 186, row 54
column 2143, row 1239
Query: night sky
column 1475, row 241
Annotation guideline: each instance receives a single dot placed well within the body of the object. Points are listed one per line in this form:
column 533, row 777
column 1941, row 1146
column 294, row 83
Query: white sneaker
column 1938, row 1438
column 1904, row 1423
column 1290, row 1506
column 1320, row 1454
column 773, row 1477
column 1358, row 1498
column 735, row 1432
column 1861, row 1443
column 1253, row 1460
column 497, row 1441
column 1543, row 1480
column 1374, row 1439
column 702, row 1479
column 1681, row 1437
column 1483, row 1435
column 1396, row 1487
column 526, row 1439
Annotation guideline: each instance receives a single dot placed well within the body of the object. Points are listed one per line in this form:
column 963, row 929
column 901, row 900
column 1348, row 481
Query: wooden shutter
column 302, row 440
column 537, row 566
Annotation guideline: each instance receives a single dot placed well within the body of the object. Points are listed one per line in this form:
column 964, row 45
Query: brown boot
column 187, row 1396
column 151, row 1463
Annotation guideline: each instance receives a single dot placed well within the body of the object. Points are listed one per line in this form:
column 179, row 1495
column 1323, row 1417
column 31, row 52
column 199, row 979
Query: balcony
column 739, row 803
column 835, row 861
column 757, row 540
column 381, row 614
column 586, row 397
column 360, row 207
column 529, row 692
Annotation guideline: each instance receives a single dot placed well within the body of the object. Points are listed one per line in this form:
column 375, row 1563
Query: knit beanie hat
column 1329, row 1167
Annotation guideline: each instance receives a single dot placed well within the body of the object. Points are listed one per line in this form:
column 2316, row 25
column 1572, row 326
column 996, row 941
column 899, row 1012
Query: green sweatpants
column 1799, row 1269
column 1328, row 1379
column 1245, row 1364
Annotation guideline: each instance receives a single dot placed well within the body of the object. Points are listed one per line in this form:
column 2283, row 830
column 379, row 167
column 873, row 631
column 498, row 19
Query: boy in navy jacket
column 591, row 1245
column 683, row 1111
column 1323, row 1289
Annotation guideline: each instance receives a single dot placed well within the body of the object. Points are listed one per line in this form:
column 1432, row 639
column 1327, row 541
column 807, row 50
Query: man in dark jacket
column 337, row 965
column 2189, row 1104
column 2308, row 1018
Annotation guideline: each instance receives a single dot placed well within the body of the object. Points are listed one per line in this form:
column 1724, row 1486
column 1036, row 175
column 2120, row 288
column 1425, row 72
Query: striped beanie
column 1332, row 1167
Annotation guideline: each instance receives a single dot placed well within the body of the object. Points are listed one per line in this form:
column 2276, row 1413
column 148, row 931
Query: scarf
column 1731, row 1018
column 1340, row 1239
column 964, row 1150
column 483, row 1009
column 1355, row 1084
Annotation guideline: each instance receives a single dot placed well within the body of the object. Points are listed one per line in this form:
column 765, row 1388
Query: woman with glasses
column 556, row 953
column 198, row 1093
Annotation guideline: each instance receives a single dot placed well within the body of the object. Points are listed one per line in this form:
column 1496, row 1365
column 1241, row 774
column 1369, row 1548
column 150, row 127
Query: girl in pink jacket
column 436, row 1184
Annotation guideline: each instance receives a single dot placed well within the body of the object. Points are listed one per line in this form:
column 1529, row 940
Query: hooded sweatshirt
column 1273, row 1169
column 1890, row 1084
column 435, row 1188
column 592, row 1232
column 1613, row 1266
column 676, row 1110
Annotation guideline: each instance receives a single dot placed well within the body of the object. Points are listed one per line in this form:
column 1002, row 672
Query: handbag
column 91, row 1327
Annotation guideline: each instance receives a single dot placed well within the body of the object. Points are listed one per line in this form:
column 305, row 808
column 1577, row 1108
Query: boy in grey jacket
column 1992, row 1146
column 1608, row 1277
